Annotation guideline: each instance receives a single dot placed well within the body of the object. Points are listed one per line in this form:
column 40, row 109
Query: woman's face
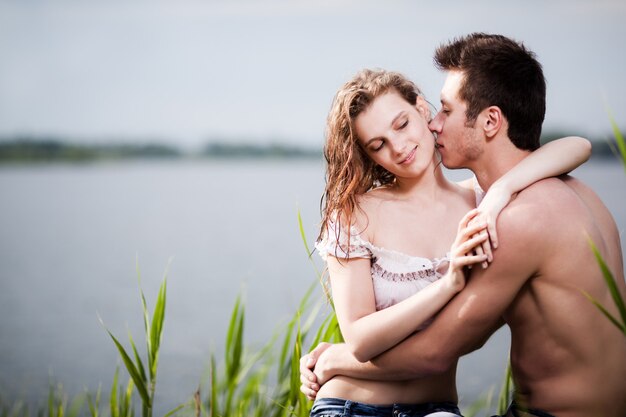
column 395, row 134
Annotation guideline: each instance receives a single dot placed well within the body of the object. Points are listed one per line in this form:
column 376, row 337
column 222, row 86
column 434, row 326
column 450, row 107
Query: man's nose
column 435, row 124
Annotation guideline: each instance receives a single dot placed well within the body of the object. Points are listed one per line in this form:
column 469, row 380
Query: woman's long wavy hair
column 350, row 172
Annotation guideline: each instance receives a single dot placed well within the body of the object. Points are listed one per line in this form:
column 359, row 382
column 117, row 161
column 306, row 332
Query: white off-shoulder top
column 395, row 275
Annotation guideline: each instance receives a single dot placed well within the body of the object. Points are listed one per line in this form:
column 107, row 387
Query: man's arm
column 467, row 321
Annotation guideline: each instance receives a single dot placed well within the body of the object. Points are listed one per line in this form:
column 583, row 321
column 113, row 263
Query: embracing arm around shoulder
column 552, row 159
column 465, row 322
column 369, row 332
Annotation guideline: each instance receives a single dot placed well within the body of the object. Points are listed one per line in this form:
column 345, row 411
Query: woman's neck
column 426, row 187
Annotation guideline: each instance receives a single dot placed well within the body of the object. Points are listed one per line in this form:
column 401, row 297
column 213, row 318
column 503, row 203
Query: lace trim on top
column 403, row 277
column 395, row 275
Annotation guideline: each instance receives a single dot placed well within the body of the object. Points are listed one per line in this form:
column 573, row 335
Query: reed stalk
column 144, row 382
column 611, row 283
column 620, row 143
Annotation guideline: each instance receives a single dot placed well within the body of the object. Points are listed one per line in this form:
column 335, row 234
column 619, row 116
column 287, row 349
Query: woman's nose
column 398, row 145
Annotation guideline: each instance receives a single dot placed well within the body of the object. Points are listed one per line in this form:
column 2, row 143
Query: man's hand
column 309, row 380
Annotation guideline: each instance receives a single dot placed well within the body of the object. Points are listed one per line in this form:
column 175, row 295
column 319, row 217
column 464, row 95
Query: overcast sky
column 266, row 70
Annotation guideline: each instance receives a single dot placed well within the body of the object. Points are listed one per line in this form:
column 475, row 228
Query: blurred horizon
column 265, row 72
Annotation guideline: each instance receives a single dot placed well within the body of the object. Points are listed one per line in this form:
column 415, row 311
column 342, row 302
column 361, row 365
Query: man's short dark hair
column 499, row 71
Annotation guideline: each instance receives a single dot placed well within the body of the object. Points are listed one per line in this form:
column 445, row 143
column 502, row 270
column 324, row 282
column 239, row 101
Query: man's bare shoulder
column 533, row 213
column 547, row 195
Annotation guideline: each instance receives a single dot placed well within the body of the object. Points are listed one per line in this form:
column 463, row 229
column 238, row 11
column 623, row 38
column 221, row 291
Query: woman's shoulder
column 371, row 203
column 375, row 197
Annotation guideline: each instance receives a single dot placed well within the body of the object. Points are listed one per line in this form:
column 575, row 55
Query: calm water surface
column 70, row 236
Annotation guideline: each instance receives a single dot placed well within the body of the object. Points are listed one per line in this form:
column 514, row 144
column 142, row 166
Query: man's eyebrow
column 400, row 114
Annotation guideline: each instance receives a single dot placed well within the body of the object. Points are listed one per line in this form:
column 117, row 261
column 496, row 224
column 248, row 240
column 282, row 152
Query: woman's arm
column 368, row 332
column 552, row 159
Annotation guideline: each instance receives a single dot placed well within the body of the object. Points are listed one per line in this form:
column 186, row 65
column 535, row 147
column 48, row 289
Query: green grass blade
column 482, row 403
column 172, row 412
column 234, row 353
column 619, row 140
column 234, row 340
column 255, row 359
column 283, row 359
column 303, row 234
column 505, row 392
column 139, row 362
column 146, row 317
column 113, row 399
column 306, row 245
column 608, row 315
column 213, row 411
column 253, row 389
column 132, row 370
column 127, row 410
column 157, row 327
column 295, row 369
column 332, row 332
column 51, row 401
column 320, row 332
column 610, row 282
column 94, row 404
column 75, row 406
column 313, row 314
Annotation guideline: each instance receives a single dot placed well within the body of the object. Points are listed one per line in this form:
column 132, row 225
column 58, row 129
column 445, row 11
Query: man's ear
column 423, row 108
column 493, row 121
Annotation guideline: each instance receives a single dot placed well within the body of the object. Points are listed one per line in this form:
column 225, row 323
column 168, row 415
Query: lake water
column 70, row 236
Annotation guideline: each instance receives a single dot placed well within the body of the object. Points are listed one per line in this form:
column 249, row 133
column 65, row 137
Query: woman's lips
column 410, row 157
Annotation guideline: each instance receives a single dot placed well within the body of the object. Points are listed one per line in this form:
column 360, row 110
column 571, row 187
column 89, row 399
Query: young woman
column 389, row 219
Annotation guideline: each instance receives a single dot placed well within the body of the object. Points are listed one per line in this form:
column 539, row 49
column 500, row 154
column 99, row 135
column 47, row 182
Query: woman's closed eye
column 377, row 146
column 403, row 124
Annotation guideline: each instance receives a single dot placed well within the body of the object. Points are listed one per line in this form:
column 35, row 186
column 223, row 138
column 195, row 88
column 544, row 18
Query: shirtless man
column 567, row 359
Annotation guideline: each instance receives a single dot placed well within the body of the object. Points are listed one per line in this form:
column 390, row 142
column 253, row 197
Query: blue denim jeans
column 336, row 407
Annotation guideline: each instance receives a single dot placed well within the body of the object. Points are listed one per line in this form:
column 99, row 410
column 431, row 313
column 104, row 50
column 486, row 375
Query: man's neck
column 491, row 166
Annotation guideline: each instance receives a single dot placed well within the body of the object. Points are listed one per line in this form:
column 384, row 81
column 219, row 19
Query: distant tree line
column 51, row 149
column 233, row 150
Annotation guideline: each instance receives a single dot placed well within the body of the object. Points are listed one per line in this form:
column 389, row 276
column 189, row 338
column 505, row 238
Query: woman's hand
column 489, row 209
column 310, row 381
column 469, row 238
column 496, row 199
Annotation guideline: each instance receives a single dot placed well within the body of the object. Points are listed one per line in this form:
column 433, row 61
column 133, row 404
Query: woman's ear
column 493, row 121
column 423, row 108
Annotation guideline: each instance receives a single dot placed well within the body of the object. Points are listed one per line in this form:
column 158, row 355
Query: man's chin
column 446, row 161
column 449, row 164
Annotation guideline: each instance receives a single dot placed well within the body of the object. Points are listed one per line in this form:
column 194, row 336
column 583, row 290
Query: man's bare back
column 566, row 356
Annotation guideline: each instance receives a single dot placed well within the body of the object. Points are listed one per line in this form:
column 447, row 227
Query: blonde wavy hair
column 350, row 172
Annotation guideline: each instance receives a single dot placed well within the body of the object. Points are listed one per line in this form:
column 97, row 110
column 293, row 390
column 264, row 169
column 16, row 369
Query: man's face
column 459, row 145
